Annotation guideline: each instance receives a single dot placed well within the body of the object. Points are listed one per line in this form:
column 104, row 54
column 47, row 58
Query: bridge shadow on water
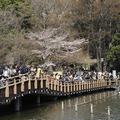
column 29, row 101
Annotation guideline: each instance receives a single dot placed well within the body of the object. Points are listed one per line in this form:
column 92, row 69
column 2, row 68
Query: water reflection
column 91, row 116
column 53, row 110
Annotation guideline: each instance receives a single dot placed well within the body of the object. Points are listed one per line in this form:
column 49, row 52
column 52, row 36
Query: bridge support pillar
column 38, row 99
column 18, row 104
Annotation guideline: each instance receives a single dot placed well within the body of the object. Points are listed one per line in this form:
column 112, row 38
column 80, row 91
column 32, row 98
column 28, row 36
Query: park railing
column 21, row 85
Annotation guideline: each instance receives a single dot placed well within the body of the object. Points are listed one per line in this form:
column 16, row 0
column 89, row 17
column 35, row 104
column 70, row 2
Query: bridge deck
column 21, row 85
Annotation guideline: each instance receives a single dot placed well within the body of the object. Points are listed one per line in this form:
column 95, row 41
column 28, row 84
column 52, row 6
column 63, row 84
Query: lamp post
column 102, row 64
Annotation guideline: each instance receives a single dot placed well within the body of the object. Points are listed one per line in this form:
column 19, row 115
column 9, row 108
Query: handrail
column 26, row 83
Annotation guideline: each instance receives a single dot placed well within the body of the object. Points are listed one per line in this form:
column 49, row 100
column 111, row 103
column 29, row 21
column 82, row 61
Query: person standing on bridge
column 6, row 72
column 38, row 73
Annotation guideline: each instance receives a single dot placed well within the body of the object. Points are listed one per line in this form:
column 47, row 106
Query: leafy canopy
column 114, row 53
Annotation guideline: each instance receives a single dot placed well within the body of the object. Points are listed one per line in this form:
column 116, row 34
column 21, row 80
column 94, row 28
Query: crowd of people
column 80, row 74
column 83, row 76
column 67, row 73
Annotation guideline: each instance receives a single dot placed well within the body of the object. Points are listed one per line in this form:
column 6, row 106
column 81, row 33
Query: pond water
column 53, row 110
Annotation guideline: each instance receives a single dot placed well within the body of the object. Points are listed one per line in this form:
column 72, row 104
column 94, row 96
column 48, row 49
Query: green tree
column 19, row 8
column 114, row 53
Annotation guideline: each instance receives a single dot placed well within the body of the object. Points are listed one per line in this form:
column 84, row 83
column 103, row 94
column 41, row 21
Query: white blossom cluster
column 55, row 44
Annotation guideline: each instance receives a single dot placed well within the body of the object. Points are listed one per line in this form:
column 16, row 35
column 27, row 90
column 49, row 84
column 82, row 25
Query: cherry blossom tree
column 56, row 47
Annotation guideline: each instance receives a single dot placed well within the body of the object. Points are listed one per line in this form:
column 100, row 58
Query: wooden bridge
column 19, row 86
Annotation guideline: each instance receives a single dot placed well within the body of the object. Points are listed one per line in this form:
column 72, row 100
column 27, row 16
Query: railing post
column 61, row 87
column 82, row 86
column 77, row 87
column 71, row 87
column 74, row 87
column 93, row 84
column 104, row 83
column 64, row 88
column 35, row 83
column 52, row 85
column 55, row 84
column 41, row 81
column 47, row 82
column 85, row 86
column 100, row 83
column 97, row 84
column 29, row 82
column 109, row 82
column 15, row 87
column 22, row 84
column 68, row 88
column 58, row 84
column 7, row 89
column 89, row 85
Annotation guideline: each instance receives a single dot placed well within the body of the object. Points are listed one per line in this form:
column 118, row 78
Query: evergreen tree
column 114, row 53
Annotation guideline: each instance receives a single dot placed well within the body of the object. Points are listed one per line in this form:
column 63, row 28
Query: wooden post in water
column 109, row 110
column 96, row 97
column 104, row 94
column 84, row 99
column 69, row 103
column 100, row 96
column 76, row 107
column 91, row 108
column 90, row 98
column 76, row 100
column 18, row 104
column 38, row 99
column 62, row 105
